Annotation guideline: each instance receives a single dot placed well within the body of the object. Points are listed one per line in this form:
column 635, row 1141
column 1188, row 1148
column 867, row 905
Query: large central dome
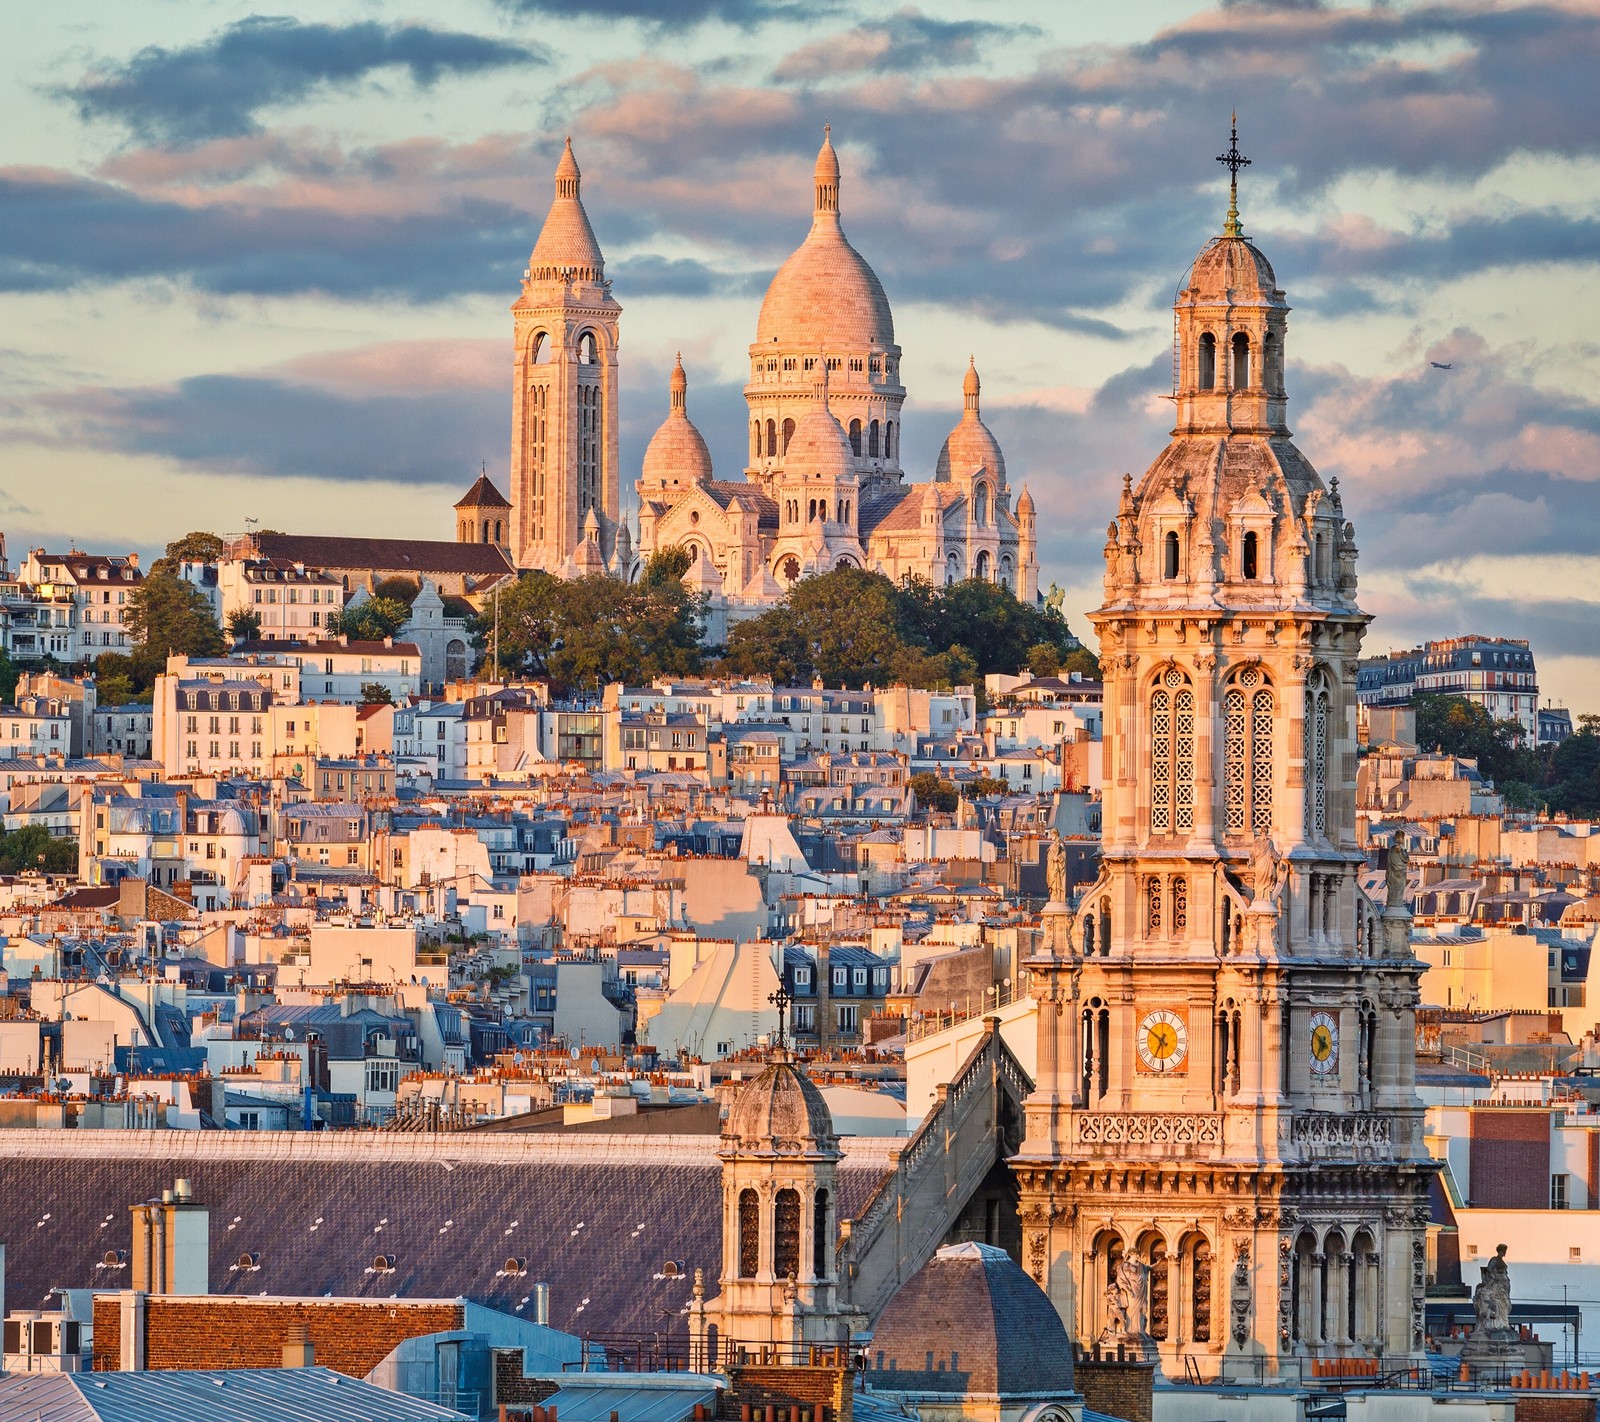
column 825, row 297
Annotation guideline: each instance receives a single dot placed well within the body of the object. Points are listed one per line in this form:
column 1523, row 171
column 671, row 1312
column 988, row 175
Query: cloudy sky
column 257, row 263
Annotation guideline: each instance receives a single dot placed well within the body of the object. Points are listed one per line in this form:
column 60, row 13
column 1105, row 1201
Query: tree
column 398, row 589
column 666, row 566
column 530, row 622
column 371, row 620
column 1082, row 661
column 1460, row 727
column 375, row 693
column 244, row 625
column 10, row 674
column 197, row 547
column 933, row 793
column 1044, row 659
column 166, row 615
column 1574, row 776
column 33, row 847
column 981, row 786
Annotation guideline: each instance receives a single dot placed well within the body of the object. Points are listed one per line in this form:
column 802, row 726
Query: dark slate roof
column 483, row 495
column 417, row 555
column 725, row 491
column 594, row 1216
column 970, row 1321
column 876, row 511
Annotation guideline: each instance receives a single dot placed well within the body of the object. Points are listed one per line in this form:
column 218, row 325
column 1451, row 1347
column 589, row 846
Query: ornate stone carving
column 1036, row 1256
column 1239, row 1292
column 1333, row 1134
column 1205, row 662
column 1149, row 1128
column 1285, row 1298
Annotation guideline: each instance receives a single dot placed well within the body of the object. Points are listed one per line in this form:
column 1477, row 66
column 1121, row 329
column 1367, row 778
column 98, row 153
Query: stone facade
column 823, row 486
column 1224, row 1163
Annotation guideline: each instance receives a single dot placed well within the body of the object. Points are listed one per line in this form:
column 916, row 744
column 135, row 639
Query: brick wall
column 1510, row 1167
column 1119, row 1389
column 512, row 1386
column 1555, row 1409
column 209, row 1332
column 807, row 1387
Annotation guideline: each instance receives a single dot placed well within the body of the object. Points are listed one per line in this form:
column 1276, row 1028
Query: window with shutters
column 1172, row 748
column 1247, row 720
column 1319, row 712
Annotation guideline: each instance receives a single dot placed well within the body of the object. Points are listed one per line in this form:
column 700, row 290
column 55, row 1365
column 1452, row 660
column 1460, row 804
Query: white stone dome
column 825, row 296
column 677, row 451
column 819, row 447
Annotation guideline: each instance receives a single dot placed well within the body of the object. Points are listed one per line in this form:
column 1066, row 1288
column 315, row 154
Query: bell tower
column 1224, row 1163
column 564, row 393
column 780, row 1161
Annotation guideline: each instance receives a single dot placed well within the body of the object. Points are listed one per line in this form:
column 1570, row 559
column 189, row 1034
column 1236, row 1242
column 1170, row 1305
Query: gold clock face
column 1324, row 1044
column 1163, row 1041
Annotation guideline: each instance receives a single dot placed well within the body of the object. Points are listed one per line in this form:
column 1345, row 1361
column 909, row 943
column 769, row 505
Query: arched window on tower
column 786, row 1234
column 772, row 438
column 588, row 349
column 788, row 434
column 981, row 567
column 1272, row 362
column 1208, row 362
column 1247, row 723
column 855, row 438
column 543, row 350
column 872, row 440
column 1241, row 361
column 821, row 1236
column 1170, row 560
column 1250, row 557
column 888, row 439
column 749, row 1234
column 1319, row 717
column 1172, row 755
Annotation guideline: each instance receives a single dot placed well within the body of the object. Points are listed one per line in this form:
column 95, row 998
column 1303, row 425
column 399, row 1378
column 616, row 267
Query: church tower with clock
column 1224, row 1163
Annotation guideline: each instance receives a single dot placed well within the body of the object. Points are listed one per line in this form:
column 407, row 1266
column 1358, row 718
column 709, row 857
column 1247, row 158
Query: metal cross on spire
column 1233, row 160
column 781, row 1000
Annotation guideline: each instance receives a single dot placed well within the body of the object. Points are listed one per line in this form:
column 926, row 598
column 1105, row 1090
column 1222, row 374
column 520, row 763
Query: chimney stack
column 172, row 1243
column 298, row 1351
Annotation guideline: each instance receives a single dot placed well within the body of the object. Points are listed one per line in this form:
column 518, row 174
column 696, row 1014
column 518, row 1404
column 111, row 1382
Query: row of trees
column 846, row 627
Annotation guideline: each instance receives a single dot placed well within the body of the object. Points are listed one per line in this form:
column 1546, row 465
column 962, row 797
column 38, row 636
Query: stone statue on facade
column 1491, row 1299
column 1266, row 869
column 1056, row 869
column 1395, row 867
column 1127, row 1301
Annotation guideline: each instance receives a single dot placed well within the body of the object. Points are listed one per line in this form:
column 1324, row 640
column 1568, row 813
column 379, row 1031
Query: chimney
column 172, row 1243
column 541, row 1305
column 298, row 1351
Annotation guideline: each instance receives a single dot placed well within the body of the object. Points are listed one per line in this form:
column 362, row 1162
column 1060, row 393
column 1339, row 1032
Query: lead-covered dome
column 677, row 451
column 781, row 1110
column 825, row 295
column 970, row 1322
column 970, row 449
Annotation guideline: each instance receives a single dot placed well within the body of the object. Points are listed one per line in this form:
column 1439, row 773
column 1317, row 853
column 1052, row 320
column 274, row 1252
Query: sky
column 258, row 263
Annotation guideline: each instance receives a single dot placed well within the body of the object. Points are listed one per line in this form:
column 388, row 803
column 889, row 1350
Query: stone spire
column 567, row 245
column 970, row 387
column 827, row 176
column 680, row 388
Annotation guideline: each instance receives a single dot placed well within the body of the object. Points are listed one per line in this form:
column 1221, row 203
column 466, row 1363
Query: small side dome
column 819, row 445
column 970, row 1322
column 970, row 449
column 782, row 1111
column 1025, row 504
column 677, row 450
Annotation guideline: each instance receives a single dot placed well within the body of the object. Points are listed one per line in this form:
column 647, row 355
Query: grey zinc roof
column 238, row 1395
column 593, row 1216
column 632, row 1399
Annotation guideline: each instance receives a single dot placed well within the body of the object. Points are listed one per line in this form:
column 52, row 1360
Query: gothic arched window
column 1241, row 361
column 1208, row 362
column 749, row 1234
column 855, row 438
column 786, row 1234
column 1247, row 712
column 1172, row 755
column 543, row 350
column 981, row 568
column 1319, row 715
column 588, row 349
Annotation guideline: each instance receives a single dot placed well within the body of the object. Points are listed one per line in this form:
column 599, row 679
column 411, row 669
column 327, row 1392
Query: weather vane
column 1233, row 160
column 781, row 1000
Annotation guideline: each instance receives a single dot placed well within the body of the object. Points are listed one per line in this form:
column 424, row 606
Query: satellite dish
column 288, row 1034
column 576, row 1053
column 594, row 1065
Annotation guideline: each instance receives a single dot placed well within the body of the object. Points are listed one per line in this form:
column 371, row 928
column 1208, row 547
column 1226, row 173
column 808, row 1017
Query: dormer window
column 1170, row 555
column 1249, row 557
